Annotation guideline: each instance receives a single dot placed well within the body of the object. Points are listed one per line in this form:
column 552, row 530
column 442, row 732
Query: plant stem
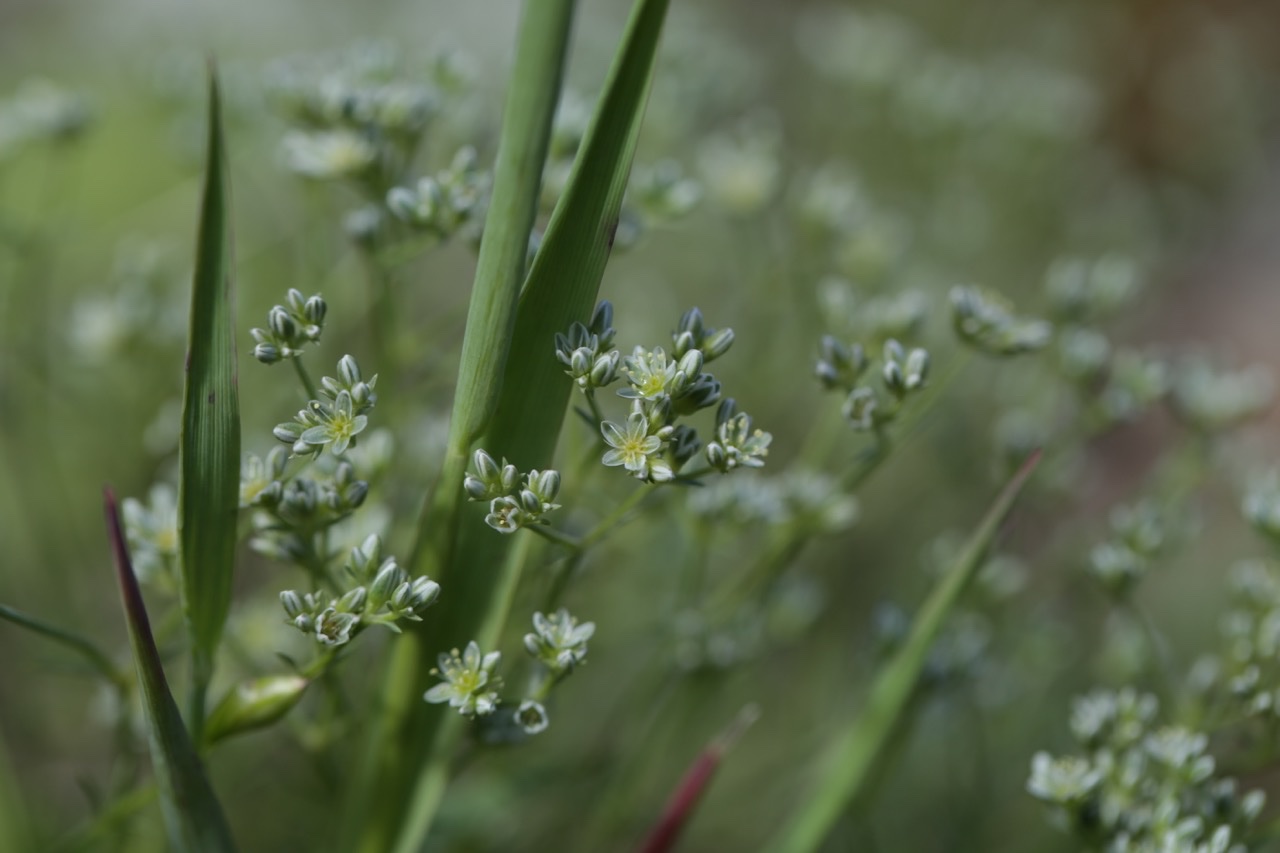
column 305, row 378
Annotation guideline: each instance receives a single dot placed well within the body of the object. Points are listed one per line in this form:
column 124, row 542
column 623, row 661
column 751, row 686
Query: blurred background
column 854, row 161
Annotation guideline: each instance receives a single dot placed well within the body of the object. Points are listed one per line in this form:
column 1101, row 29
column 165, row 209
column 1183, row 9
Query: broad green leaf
column 193, row 817
column 852, row 757
column 377, row 800
column 478, row 569
column 209, row 450
column 81, row 645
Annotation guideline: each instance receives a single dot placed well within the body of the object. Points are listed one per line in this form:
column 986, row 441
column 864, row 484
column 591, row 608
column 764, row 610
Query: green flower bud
column 860, row 408
column 281, row 324
column 423, row 593
column 254, row 705
column 292, row 603
column 315, row 310
column 266, row 353
column 353, row 601
column 917, row 369
column 529, row 502
column 476, row 490
column 389, row 578
column 289, row 432
column 717, row 343
column 683, row 342
column 601, row 324
column 348, row 371
column 605, row 369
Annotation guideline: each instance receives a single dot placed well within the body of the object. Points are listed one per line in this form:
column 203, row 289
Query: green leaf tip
column 209, row 448
column 849, row 762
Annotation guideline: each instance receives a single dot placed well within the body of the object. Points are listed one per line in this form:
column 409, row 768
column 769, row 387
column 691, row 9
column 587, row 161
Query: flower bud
column 315, row 310
column 354, row 600
column 292, row 603
column 387, row 581
column 475, row 489
column 281, row 324
column 605, row 370
column 510, row 478
column 266, row 353
column 486, row 468
column 717, row 343
column 253, row 705
column 423, row 593
column 348, row 371
column 546, row 484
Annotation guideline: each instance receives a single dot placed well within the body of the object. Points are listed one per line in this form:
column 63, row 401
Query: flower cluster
column 152, row 533
column 290, row 328
column 656, row 194
column 585, row 351
column 650, row 444
column 869, row 407
column 383, row 594
column 515, row 501
column 1210, row 400
column 558, row 641
column 988, row 324
column 450, row 202
column 1243, row 680
column 1138, row 787
column 40, row 111
column 1138, row 536
column 290, row 512
column 737, row 442
column 336, row 419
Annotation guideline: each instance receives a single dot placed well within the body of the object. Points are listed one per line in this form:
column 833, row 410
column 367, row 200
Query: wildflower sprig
column 1139, row 536
column 987, row 323
column 337, row 418
column 515, row 500
column 650, row 443
column 448, row 203
column 587, row 354
column 559, row 644
column 870, row 406
column 290, row 328
column 152, row 532
column 383, row 594
column 1139, row 786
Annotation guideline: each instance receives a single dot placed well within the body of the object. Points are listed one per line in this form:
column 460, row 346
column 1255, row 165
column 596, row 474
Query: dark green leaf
column 209, row 452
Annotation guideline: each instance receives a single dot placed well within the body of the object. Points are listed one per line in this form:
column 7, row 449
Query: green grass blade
column 16, row 831
column 854, row 755
column 375, row 807
column 478, row 569
column 95, row 657
column 193, row 817
column 209, row 450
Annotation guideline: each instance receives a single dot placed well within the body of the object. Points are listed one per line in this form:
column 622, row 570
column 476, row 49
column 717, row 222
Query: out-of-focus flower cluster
column 1140, row 786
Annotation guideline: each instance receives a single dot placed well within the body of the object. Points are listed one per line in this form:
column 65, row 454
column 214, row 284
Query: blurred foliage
column 806, row 169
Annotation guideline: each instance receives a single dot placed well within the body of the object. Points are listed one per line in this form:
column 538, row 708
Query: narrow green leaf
column 193, row 817
column 16, row 830
column 96, row 658
column 209, row 450
column 849, row 762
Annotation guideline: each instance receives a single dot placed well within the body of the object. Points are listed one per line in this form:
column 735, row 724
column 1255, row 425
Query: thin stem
column 556, row 536
column 619, row 512
column 305, row 378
